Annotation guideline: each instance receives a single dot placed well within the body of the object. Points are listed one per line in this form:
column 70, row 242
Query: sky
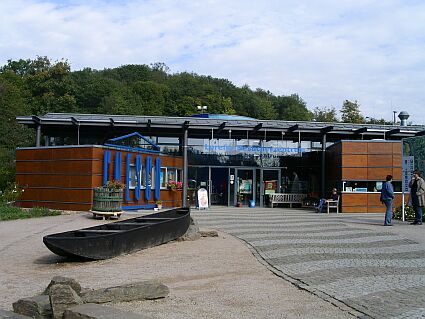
column 326, row 51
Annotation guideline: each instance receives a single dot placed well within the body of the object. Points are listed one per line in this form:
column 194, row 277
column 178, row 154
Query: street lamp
column 202, row 108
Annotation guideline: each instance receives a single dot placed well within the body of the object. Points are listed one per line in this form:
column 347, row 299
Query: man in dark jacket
column 387, row 197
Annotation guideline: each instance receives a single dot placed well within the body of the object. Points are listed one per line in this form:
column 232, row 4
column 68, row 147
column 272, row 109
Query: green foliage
column 350, row 112
column 324, row 114
column 9, row 212
column 291, row 108
column 7, row 167
column 408, row 211
column 11, row 193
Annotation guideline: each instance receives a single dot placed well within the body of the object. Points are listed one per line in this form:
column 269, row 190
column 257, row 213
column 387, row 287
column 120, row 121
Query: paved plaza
column 349, row 260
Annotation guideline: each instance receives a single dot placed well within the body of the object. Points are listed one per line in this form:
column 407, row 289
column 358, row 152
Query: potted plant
column 108, row 198
column 174, row 186
column 159, row 204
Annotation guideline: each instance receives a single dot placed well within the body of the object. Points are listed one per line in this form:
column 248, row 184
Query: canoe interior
column 113, row 239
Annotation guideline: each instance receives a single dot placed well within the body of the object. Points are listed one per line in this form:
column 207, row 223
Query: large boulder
column 62, row 297
column 63, row 281
column 94, row 311
column 34, row 307
column 4, row 314
column 151, row 289
column 192, row 232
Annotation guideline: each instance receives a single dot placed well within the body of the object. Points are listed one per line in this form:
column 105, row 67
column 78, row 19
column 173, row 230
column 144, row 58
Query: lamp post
column 395, row 112
column 202, row 108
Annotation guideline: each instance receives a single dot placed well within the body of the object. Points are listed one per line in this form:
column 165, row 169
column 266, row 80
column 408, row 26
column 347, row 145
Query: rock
column 4, row 314
column 63, row 281
column 192, row 232
column 151, row 289
column 35, row 307
column 94, row 311
column 208, row 233
column 62, row 297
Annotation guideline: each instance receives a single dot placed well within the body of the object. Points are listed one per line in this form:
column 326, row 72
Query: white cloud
column 326, row 51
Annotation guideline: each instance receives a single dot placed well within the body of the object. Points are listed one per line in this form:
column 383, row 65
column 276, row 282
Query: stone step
column 95, row 311
column 4, row 314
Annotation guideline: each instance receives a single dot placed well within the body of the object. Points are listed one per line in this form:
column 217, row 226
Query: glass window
column 172, row 174
column 153, row 177
column 143, row 177
column 132, row 174
column 162, row 177
column 368, row 186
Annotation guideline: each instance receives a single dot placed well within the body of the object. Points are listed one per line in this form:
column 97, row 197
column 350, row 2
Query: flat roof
column 107, row 126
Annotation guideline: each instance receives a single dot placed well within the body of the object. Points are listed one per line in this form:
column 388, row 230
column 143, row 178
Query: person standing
column 417, row 195
column 387, row 197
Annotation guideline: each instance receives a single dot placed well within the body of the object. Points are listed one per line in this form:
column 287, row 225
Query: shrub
column 408, row 211
column 11, row 194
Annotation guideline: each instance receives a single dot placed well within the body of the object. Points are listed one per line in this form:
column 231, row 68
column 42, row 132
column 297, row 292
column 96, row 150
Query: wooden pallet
column 106, row 215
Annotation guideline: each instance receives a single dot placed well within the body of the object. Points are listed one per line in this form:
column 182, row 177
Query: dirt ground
column 208, row 278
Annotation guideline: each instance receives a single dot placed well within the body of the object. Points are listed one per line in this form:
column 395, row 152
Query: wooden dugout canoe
column 122, row 237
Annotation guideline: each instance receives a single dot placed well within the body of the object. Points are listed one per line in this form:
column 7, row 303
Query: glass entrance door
column 219, row 185
column 244, row 190
column 269, row 185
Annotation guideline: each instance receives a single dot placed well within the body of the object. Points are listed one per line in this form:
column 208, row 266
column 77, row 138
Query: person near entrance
column 387, row 197
column 333, row 196
column 417, row 196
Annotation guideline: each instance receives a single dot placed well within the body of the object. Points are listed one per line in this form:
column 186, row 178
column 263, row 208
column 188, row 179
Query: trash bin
column 251, row 203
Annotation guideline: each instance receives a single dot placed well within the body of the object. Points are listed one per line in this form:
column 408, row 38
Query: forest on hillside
column 40, row 86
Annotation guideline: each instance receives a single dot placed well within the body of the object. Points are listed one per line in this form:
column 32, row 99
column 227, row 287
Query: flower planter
column 107, row 199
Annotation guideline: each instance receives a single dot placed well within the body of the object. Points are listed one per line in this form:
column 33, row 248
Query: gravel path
column 208, row 278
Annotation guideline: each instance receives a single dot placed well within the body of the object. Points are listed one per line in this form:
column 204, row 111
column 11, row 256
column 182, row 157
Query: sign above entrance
column 250, row 149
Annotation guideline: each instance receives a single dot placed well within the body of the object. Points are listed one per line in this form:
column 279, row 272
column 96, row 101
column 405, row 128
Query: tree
column 324, row 114
column 291, row 108
column 351, row 112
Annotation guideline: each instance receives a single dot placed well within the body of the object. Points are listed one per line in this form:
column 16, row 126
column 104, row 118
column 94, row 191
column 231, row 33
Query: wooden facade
column 64, row 177
column 363, row 161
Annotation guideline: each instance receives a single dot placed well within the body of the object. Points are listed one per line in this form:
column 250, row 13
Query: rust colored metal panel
column 380, row 160
column 58, row 195
column 380, row 147
column 354, row 160
column 374, row 199
column 397, row 148
column 354, row 148
column 55, row 166
column 397, row 161
column 54, row 181
column 356, row 174
column 378, row 173
column 354, row 199
column 397, row 174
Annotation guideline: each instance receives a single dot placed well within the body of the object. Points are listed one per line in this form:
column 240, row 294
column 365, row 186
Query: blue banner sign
column 250, row 149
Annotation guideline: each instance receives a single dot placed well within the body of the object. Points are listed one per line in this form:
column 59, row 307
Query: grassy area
column 9, row 212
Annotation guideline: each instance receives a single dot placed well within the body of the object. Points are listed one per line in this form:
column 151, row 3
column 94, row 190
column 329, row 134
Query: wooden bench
column 285, row 198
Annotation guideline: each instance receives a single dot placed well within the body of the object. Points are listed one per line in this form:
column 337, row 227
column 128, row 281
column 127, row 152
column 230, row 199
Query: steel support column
column 38, row 136
column 185, row 164
column 323, row 166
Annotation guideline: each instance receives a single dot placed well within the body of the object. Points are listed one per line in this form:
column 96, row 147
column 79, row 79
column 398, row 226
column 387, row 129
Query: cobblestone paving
column 373, row 271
